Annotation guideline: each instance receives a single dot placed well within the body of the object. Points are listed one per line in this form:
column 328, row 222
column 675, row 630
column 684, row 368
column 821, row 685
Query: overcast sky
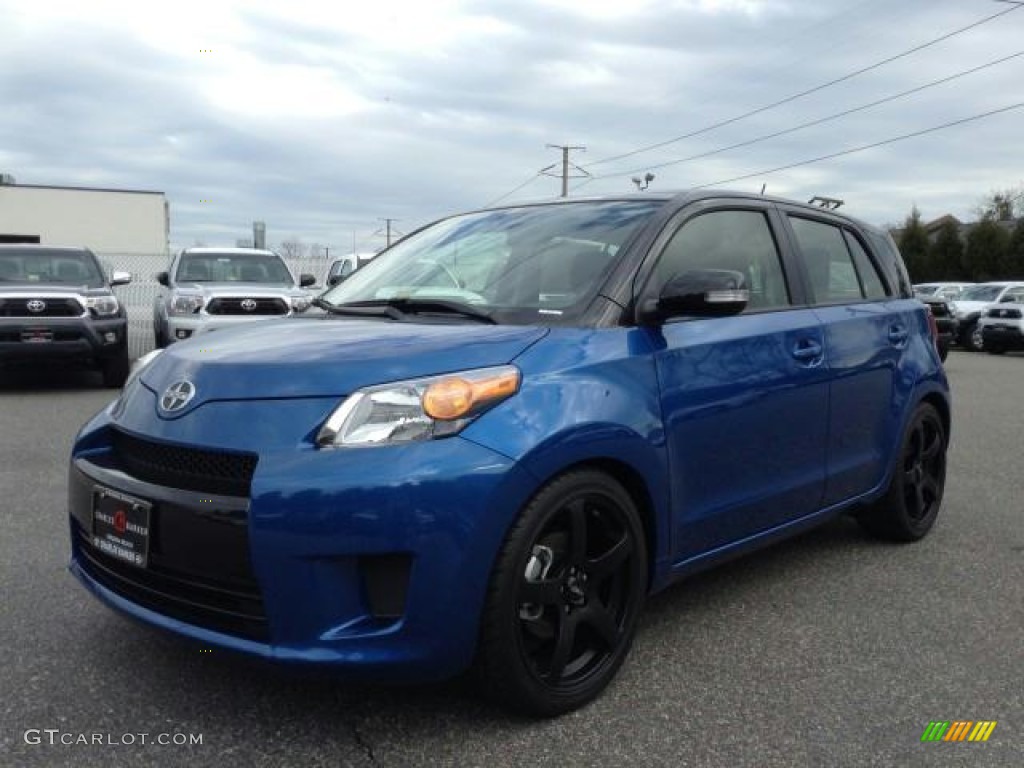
column 321, row 119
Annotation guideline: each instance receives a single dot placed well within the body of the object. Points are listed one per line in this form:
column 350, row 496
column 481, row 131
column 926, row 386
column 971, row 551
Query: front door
column 744, row 398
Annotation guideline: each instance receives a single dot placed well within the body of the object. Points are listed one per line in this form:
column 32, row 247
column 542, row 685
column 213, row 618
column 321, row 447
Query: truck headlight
column 102, row 306
column 418, row 409
column 185, row 304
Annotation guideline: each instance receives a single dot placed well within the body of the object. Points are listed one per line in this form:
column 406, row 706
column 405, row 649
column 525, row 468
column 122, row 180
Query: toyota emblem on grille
column 177, row 396
column 249, row 305
column 36, row 306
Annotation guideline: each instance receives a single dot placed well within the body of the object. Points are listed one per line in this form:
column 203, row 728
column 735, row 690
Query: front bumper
column 372, row 561
column 61, row 338
column 180, row 327
column 1002, row 336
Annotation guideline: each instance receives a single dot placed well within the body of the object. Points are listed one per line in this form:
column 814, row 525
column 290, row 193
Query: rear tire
column 564, row 596
column 995, row 350
column 909, row 507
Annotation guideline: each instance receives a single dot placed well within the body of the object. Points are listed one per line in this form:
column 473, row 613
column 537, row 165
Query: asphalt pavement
column 827, row 650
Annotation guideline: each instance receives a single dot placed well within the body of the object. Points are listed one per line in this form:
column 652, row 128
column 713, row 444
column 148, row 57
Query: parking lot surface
column 827, row 650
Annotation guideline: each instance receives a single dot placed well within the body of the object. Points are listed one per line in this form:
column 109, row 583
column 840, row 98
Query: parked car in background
column 940, row 290
column 206, row 289
column 970, row 305
column 1001, row 325
column 343, row 266
column 507, row 430
column 57, row 306
column 946, row 323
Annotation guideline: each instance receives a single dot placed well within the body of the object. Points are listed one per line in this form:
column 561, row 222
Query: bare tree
column 316, row 251
column 1001, row 205
column 292, row 248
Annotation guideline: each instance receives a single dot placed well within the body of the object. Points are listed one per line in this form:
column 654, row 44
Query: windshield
column 212, row 267
column 981, row 293
column 31, row 266
column 520, row 263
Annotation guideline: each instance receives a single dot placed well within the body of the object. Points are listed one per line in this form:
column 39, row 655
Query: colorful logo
column 958, row 730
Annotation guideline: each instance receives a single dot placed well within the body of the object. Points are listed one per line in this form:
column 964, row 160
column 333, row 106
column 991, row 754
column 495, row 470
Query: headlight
column 420, row 409
column 300, row 303
column 186, row 305
column 102, row 306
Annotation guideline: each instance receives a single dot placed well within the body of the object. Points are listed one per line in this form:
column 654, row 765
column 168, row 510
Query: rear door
column 868, row 330
column 744, row 398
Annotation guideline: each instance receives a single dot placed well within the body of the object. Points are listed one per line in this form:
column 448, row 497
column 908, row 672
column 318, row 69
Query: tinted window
column 870, row 281
column 829, row 264
column 736, row 240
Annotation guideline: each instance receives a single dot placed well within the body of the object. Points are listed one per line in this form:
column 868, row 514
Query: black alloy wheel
column 910, row 506
column 565, row 596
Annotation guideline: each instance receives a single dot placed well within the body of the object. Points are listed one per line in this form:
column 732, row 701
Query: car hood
column 212, row 290
column 328, row 357
column 967, row 307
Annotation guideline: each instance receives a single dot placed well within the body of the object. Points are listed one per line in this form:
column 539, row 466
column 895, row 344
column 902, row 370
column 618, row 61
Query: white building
column 106, row 221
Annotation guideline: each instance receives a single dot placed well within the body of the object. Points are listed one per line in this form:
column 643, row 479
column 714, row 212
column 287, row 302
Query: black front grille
column 191, row 469
column 233, row 608
column 41, row 307
column 1005, row 312
column 247, row 306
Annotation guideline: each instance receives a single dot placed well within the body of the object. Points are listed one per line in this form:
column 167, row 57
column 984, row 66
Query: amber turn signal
column 455, row 397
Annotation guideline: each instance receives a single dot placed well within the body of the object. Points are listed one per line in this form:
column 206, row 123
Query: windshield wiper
column 358, row 311
column 399, row 308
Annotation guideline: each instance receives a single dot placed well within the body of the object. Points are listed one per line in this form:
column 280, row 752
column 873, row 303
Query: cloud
column 321, row 122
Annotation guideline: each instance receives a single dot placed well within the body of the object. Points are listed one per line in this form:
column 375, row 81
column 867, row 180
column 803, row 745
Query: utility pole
column 565, row 166
column 388, row 230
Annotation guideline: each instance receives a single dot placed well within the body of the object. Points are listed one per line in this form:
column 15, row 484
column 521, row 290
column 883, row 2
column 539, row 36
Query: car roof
column 41, row 247
column 686, row 196
column 233, row 251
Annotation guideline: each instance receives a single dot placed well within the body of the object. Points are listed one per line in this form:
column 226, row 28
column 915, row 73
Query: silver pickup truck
column 210, row 288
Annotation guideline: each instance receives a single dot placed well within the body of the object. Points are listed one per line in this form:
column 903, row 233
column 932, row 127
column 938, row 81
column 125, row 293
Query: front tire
column 974, row 339
column 909, row 507
column 115, row 370
column 564, row 596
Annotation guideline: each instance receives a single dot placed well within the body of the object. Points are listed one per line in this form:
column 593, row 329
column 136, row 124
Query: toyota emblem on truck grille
column 36, row 306
column 177, row 396
column 249, row 305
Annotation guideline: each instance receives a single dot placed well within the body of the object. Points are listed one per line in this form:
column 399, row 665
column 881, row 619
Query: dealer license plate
column 120, row 526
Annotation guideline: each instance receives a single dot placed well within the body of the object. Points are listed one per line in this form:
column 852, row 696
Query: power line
column 512, row 191
column 819, row 121
column 864, row 147
column 809, row 91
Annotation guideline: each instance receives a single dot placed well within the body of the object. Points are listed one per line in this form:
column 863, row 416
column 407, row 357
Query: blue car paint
column 686, row 409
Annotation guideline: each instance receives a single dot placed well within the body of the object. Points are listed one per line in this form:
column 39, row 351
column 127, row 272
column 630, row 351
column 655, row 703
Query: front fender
column 587, row 395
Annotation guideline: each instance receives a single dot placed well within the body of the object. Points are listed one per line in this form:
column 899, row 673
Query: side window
column 738, row 240
column 828, row 261
column 870, row 280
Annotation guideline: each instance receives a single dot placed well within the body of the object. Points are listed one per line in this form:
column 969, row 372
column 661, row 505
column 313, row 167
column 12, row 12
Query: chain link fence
column 139, row 296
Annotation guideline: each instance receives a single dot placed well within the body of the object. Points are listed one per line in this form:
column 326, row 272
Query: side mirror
column 699, row 293
column 306, row 279
column 120, row 278
column 334, row 280
column 163, row 279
